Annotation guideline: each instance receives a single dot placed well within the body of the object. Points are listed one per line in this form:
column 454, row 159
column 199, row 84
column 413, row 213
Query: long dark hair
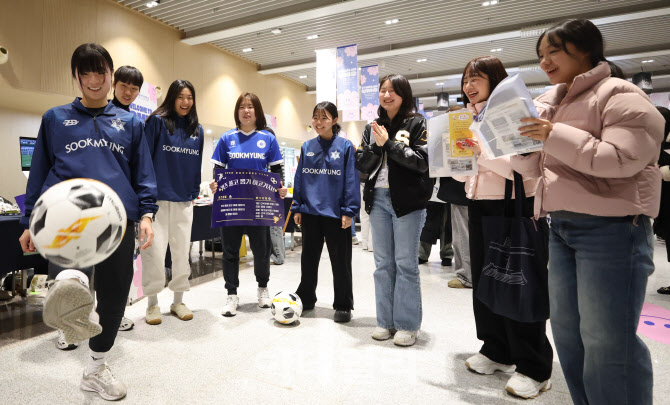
column 403, row 89
column 488, row 65
column 583, row 34
column 331, row 109
column 168, row 113
column 261, row 122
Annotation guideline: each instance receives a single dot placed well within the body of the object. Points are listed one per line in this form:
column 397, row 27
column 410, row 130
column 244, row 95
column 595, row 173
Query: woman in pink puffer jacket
column 601, row 185
column 508, row 345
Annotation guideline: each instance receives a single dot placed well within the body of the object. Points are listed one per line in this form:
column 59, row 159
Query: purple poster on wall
column 247, row 198
column 347, row 82
column 369, row 92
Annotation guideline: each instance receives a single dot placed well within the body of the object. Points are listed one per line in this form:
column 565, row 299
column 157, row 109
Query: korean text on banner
column 497, row 126
column 326, row 76
column 247, row 198
column 443, row 160
column 348, row 99
column 369, row 92
column 145, row 103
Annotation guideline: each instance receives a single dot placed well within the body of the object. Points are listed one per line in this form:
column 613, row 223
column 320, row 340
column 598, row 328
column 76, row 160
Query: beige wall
column 41, row 35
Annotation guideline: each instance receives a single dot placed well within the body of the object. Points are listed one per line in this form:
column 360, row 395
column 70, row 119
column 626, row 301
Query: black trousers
column 505, row 341
column 261, row 245
column 111, row 283
column 315, row 229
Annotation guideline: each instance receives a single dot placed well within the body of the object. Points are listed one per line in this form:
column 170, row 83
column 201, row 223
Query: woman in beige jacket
column 600, row 185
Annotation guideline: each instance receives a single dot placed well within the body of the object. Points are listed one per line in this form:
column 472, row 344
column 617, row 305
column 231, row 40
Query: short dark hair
column 168, row 113
column 403, row 89
column 130, row 75
column 583, row 34
column 91, row 57
column 488, row 65
column 261, row 122
column 331, row 109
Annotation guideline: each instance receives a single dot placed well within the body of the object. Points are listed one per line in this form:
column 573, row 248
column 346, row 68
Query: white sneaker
column 483, row 365
column 62, row 345
column 264, row 300
column 382, row 333
column 364, row 245
column 405, row 337
column 69, row 307
column 104, row 383
column 126, row 324
column 525, row 387
column 38, row 290
column 354, row 241
column 231, row 306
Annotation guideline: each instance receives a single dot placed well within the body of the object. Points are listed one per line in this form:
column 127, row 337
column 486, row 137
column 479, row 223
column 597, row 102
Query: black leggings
column 111, row 283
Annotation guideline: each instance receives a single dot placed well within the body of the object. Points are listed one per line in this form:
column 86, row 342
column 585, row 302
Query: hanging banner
column 421, row 110
column 326, row 76
column 348, row 99
column 369, row 92
column 145, row 103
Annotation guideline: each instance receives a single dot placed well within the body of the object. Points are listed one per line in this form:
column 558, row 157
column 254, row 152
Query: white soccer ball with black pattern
column 286, row 307
column 78, row 223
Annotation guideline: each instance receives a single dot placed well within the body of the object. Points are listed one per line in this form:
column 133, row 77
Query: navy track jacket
column 177, row 159
column 326, row 181
column 109, row 148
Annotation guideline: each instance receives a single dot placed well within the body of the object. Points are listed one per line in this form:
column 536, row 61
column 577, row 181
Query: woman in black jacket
column 662, row 222
column 393, row 154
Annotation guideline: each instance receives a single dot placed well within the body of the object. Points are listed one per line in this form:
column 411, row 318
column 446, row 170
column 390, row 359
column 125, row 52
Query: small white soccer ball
column 78, row 223
column 286, row 307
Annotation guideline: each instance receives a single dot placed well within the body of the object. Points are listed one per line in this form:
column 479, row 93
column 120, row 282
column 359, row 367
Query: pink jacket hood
column 600, row 157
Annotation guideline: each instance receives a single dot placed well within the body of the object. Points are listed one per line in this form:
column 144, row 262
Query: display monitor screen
column 27, row 148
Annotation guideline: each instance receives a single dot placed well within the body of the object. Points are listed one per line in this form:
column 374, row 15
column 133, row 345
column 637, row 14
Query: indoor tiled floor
column 251, row 359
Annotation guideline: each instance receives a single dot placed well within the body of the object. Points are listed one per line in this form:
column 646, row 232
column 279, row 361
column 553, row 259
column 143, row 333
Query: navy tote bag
column 513, row 282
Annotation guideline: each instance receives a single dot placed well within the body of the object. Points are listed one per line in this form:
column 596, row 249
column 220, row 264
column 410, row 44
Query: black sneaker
column 422, row 261
column 446, row 262
column 342, row 316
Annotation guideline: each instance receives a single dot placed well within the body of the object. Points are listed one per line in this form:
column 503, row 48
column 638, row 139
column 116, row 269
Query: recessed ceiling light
column 276, row 31
column 303, row 77
column 209, row 131
column 393, row 21
column 247, row 49
column 439, row 84
column 283, row 143
column 490, row 3
column 647, row 61
column 422, row 60
column 312, row 37
column 153, row 3
column 496, row 50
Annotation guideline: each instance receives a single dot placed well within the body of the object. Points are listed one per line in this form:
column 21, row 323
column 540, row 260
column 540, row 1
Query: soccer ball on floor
column 78, row 223
column 286, row 307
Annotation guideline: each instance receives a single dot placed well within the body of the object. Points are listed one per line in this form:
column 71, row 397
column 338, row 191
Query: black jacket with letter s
column 407, row 158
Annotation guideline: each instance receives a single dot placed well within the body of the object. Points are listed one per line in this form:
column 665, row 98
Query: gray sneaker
column 104, row 383
column 126, row 324
column 69, row 307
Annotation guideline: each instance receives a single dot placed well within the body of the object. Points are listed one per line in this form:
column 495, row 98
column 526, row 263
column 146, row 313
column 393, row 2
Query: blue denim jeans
column 598, row 270
column 396, row 252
